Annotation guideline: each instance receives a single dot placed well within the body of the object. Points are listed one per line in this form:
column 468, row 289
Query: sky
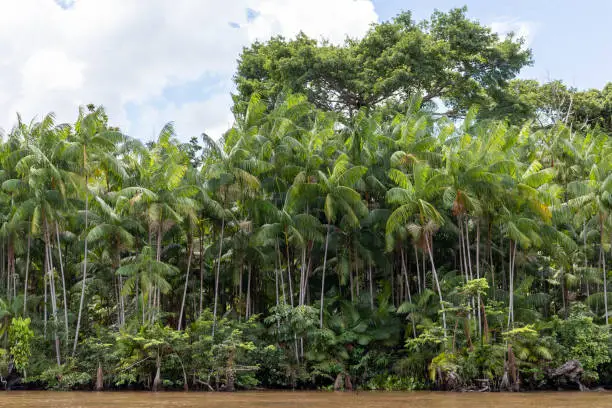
column 155, row 61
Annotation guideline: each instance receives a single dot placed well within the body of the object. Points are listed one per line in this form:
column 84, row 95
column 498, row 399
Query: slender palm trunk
column 289, row 270
column 217, row 276
column 83, row 281
column 371, row 285
column 323, row 277
column 605, row 273
column 186, row 283
column 437, row 281
column 511, row 283
column 240, row 276
column 586, row 259
column 59, row 251
column 11, row 268
column 301, row 296
column 116, row 288
column 416, row 257
column 405, row 272
column 280, row 272
column 490, row 254
column 201, row 271
column 159, row 239
column 27, row 270
column 45, row 317
column 463, row 256
column 467, row 249
column 52, row 294
column 248, row 295
column 142, row 300
column 276, row 268
column 157, row 298
column 604, row 263
column 308, row 274
column 478, row 250
column 350, row 271
column 121, row 300
column 478, row 277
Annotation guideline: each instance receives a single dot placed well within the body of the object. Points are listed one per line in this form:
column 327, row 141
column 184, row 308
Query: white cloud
column 212, row 116
column 522, row 29
column 332, row 20
column 53, row 70
column 122, row 53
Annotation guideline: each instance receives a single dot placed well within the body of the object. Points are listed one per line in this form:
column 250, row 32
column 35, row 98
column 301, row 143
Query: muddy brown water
column 42, row 399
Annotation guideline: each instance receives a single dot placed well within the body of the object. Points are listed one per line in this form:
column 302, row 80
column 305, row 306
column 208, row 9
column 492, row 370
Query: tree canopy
column 448, row 58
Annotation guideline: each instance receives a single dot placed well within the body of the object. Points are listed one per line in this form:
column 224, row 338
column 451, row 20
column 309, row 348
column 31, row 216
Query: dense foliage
column 448, row 56
column 379, row 246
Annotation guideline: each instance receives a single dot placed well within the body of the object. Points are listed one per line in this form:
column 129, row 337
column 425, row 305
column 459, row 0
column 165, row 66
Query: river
column 42, row 399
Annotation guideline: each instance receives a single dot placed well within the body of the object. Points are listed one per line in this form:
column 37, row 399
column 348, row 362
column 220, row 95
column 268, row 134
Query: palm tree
column 145, row 273
column 190, row 221
column 48, row 193
column 114, row 233
column 593, row 197
column 230, row 176
column 527, row 204
column 339, row 198
column 91, row 144
column 414, row 209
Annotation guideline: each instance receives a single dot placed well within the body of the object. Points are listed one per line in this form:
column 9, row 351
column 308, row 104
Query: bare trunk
column 301, row 296
column 99, row 378
column 83, row 281
column 462, row 245
column 122, row 301
column 248, row 295
column 490, row 253
column 371, row 286
column 289, row 271
column 467, row 248
column 52, row 293
column 276, row 267
column 485, row 322
column 511, row 284
column 27, row 270
column 308, row 274
column 10, row 274
column 351, row 280
column 45, row 302
column 405, row 272
column 478, row 277
column 180, row 320
column 280, row 272
column 201, row 272
column 159, row 239
column 240, row 273
column 323, row 277
column 157, row 382
column 59, row 251
column 357, row 285
column 603, row 263
column 586, row 261
column 217, row 276
column 416, row 257
column 437, row 281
